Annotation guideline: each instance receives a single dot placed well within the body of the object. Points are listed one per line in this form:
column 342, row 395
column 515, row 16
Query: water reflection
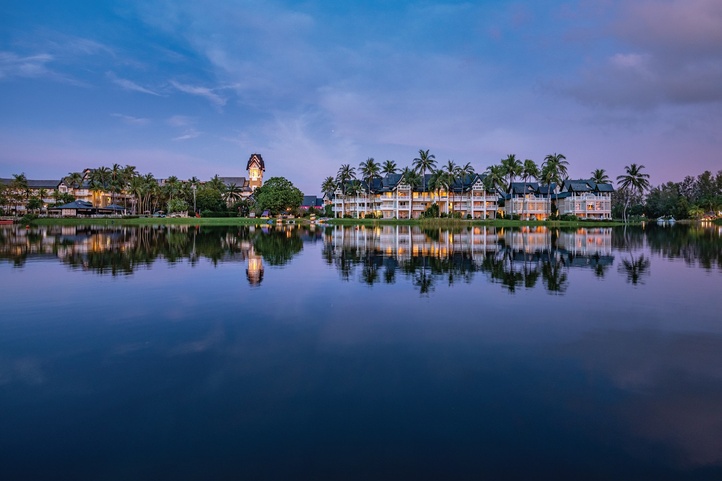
column 514, row 259
column 117, row 250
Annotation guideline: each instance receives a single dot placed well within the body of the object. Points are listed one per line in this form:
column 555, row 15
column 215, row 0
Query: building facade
column 390, row 197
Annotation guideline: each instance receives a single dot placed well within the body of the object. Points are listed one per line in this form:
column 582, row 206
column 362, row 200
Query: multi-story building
column 582, row 198
column 585, row 199
column 390, row 197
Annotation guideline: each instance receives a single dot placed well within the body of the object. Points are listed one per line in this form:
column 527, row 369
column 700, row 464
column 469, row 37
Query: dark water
column 236, row 353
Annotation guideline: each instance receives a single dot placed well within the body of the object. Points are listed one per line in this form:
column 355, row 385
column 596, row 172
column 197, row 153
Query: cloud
column 13, row 65
column 180, row 121
column 667, row 52
column 130, row 120
column 128, row 84
column 188, row 134
column 201, row 92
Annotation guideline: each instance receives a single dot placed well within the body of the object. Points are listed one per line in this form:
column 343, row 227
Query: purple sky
column 191, row 88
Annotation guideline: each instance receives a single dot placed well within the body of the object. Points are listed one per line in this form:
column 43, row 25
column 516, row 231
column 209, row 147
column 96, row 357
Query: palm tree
column 512, row 168
column 465, row 172
column 171, row 187
column 74, row 180
column 137, row 189
column 354, row 189
column 232, row 194
column 19, row 190
column 389, row 167
column 217, row 183
column 437, row 182
column 413, row 180
column 345, row 174
column 99, row 179
column 554, row 170
column 424, row 162
column 451, row 173
column 634, row 182
column 528, row 170
column 369, row 170
column 116, row 182
column 599, row 176
column 328, row 186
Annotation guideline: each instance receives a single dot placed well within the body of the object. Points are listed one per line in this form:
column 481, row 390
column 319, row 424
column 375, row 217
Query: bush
column 568, row 217
column 211, row 213
column 28, row 218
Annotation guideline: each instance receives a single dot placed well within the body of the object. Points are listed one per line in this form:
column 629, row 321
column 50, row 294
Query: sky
column 190, row 88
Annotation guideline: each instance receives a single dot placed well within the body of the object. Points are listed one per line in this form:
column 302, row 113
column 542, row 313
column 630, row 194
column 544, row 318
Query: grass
column 233, row 221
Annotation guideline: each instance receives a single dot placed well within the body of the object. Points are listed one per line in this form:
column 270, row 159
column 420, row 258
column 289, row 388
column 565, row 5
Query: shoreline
column 245, row 221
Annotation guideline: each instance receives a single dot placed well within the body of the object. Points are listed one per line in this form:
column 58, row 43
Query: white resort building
column 390, row 197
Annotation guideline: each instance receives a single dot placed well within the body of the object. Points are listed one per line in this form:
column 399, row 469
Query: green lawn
column 231, row 221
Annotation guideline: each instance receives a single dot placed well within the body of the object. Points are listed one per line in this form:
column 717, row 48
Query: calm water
column 236, row 353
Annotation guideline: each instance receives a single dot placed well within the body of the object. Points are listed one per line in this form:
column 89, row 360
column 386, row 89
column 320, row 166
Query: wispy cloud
column 129, row 84
column 130, row 120
column 13, row 65
column 180, row 121
column 188, row 134
column 204, row 92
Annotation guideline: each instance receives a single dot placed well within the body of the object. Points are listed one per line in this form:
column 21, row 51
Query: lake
column 192, row 352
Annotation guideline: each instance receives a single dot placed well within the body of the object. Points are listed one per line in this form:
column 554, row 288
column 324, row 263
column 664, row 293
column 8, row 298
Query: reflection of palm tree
column 635, row 268
column 555, row 277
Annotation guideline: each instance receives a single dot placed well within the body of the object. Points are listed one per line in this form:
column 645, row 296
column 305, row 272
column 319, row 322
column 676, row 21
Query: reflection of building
column 254, row 267
column 405, row 242
column 408, row 241
column 390, row 197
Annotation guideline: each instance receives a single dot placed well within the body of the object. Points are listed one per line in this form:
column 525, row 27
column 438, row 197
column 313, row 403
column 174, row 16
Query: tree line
column 143, row 193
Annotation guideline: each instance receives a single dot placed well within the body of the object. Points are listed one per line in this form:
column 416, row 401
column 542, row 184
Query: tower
column 255, row 168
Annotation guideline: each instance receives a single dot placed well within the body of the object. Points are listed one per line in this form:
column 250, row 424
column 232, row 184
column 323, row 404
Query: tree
column 389, row 168
column 451, row 174
column 424, row 162
column 208, row 198
column 413, row 180
column 98, row 181
column 217, row 184
column 278, row 195
column 438, row 182
column 345, row 174
column 177, row 205
column 554, row 171
column 528, row 170
column 19, row 190
column 328, row 186
column 633, row 182
column 232, row 194
column 369, row 170
column 511, row 167
column 599, row 176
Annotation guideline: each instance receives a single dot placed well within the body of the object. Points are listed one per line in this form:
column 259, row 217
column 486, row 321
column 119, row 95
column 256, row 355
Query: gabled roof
column 522, row 188
column 238, row 181
column 35, row 184
column 585, row 185
column 309, row 201
column 76, row 204
column 257, row 159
